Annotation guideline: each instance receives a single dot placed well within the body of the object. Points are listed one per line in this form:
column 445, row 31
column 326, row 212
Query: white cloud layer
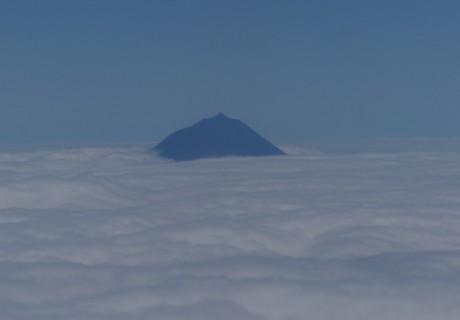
column 116, row 233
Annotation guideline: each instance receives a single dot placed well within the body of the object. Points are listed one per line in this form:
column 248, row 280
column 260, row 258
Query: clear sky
column 102, row 71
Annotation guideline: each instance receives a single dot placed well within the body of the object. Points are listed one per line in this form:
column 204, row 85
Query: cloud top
column 116, row 233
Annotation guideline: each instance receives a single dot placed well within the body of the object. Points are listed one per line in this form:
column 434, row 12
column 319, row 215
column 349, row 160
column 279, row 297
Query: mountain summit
column 218, row 136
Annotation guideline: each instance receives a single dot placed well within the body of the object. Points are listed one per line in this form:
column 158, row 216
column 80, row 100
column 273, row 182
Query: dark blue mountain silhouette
column 215, row 137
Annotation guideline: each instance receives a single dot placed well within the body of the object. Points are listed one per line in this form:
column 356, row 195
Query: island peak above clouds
column 218, row 136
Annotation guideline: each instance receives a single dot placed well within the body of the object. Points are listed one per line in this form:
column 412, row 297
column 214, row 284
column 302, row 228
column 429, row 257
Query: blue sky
column 102, row 71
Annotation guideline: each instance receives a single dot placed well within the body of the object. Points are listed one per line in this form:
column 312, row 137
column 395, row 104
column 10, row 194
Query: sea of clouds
column 338, row 230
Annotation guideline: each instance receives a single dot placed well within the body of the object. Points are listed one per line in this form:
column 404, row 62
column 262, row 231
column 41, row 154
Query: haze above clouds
column 109, row 71
column 324, row 233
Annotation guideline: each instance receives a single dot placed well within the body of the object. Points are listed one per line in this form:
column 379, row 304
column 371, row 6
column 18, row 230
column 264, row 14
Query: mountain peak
column 220, row 116
column 218, row 136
